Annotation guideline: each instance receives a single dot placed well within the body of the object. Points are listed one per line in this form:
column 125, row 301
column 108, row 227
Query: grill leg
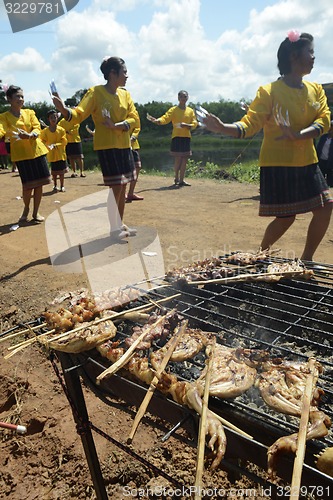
column 80, row 414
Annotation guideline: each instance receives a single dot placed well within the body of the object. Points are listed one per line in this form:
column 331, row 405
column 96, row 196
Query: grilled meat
column 282, row 385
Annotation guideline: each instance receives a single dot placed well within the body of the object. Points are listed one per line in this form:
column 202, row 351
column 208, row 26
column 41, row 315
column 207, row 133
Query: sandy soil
column 190, row 223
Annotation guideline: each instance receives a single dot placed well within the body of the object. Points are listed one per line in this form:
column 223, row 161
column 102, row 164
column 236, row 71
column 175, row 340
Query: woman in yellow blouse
column 74, row 149
column 292, row 112
column 26, row 149
column 183, row 121
column 114, row 113
column 55, row 138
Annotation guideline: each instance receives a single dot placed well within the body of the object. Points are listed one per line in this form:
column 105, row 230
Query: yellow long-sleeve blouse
column 96, row 102
column 58, row 140
column 303, row 107
column 22, row 149
column 177, row 115
column 72, row 130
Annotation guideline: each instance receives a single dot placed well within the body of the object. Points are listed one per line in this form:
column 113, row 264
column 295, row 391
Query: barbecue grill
column 291, row 318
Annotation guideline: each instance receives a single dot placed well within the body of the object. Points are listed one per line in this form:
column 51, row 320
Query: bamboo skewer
column 42, row 338
column 202, row 427
column 150, row 392
column 244, row 277
column 22, row 332
column 303, row 428
column 230, row 425
column 127, row 354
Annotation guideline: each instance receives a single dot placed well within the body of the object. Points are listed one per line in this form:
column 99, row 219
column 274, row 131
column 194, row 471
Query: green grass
column 242, row 171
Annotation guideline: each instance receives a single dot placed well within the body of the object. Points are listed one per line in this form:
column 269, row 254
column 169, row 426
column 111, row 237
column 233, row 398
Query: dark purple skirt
column 34, row 173
column 59, row 167
column 137, row 159
column 287, row 191
column 117, row 166
column 181, row 146
column 74, row 150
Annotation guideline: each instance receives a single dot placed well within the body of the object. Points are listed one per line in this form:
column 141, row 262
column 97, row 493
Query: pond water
column 161, row 160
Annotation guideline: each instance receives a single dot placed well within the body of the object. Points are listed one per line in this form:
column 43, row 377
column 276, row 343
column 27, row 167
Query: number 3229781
column 33, row 7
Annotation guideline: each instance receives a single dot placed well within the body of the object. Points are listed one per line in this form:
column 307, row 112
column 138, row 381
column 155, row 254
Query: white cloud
column 28, row 60
column 171, row 49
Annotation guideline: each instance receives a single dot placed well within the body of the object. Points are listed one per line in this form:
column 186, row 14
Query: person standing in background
column 292, row 112
column 131, row 196
column 54, row 137
column 183, row 121
column 325, row 155
column 74, row 149
column 114, row 113
column 26, row 150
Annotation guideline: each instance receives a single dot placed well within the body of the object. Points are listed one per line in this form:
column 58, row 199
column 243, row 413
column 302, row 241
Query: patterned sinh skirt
column 287, row 191
column 117, row 166
column 74, row 150
column 137, row 159
column 181, row 146
column 34, row 173
column 59, row 167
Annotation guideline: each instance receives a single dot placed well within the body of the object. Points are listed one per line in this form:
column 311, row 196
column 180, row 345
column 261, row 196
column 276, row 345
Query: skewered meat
column 82, row 306
column 233, row 371
column 201, row 270
column 184, row 393
column 290, row 267
column 325, row 461
column 282, row 386
column 157, row 327
column 190, row 343
column 247, row 258
column 85, row 339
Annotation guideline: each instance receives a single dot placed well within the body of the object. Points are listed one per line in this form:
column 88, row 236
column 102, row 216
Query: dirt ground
column 191, row 223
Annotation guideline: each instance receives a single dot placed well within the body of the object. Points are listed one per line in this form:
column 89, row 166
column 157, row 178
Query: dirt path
column 191, row 223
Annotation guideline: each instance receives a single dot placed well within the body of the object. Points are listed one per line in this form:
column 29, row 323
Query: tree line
column 229, row 110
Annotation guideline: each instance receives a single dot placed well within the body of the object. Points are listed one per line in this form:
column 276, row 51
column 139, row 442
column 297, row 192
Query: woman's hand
column 213, row 123
column 59, row 105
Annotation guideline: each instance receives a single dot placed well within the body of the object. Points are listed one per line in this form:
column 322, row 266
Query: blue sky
column 212, row 48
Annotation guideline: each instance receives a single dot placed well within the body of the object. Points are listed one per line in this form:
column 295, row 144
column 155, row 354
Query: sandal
column 82, row 175
column 119, row 236
column 184, row 183
column 130, row 230
column 38, row 218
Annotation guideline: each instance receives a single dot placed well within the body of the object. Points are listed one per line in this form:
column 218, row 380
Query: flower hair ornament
column 293, row 36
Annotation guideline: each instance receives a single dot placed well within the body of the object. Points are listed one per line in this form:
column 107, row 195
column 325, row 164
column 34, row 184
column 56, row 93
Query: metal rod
column 75, row 394
column 175, row 427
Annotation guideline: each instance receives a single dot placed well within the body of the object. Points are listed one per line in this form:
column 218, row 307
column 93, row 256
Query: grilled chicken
column 282, row 385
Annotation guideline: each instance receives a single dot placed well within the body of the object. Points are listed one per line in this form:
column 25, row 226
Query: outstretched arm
column 214, row 124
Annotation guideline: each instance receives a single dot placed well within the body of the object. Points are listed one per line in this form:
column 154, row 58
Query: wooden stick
column 244, row 277
column 302, row 433
column 150, row 392
column 202, row 426
column 22, row 332
column 230, row 425
column 127, row 354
